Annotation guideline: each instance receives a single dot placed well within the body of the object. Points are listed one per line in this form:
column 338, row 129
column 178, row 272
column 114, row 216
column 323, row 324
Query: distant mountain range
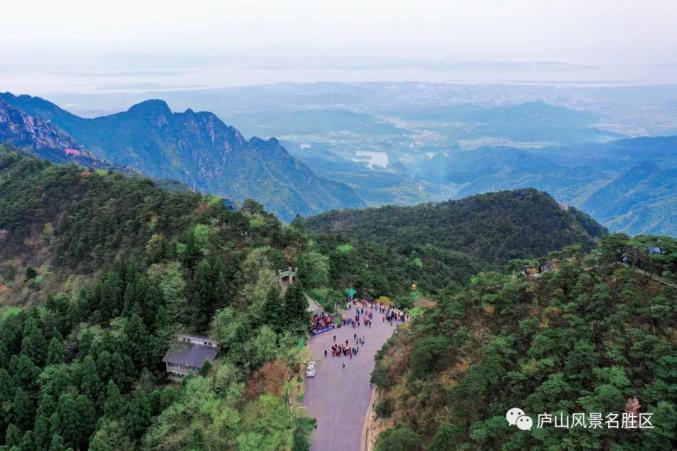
column 195, row 148
column 403, row 154
column 629, row 185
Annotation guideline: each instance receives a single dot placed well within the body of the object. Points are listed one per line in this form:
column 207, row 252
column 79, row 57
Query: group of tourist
column 321, row 322
column 360, row 312
column 362, row 315
column 387, row 312
column 346, row 350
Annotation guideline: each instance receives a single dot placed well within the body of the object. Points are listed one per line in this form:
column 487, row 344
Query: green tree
column 426, row 355
column 399, row 438
column 296, row 307
column 12, row 436
column 273, row 310
column 263, row 346
column 27, row 441
column 23, row 409
column 138, row 414
column 55, row 352
column 87, row 420
column 90, row 383
column 170, row 279
column 208, row 289
column 137, row 341
column 69, row 420
column 57, row 443
column 314, row 269
column 98, row 444
column 41, row 433
column 115, row 404
column 26, row 373
column 34, row 344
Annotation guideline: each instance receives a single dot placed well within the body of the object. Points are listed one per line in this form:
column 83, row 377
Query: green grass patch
column 416, row 312
column 8, row 312
column 344, row 248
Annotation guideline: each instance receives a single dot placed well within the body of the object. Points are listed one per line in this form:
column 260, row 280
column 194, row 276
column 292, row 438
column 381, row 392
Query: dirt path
column 339, row 398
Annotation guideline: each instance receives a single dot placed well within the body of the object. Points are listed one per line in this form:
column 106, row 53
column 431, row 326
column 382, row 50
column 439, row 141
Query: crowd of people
column 321, row 322
column 346, row 349
column 361, row 312
column 358, row 313
column 370, row 308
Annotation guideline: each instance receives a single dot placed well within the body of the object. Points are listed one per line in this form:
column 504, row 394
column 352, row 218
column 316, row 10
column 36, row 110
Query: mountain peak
column 151, row 106
column 200, row 150
column 259, row 142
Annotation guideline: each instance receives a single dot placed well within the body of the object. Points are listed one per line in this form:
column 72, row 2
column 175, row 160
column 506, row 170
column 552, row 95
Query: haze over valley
column 407, row 143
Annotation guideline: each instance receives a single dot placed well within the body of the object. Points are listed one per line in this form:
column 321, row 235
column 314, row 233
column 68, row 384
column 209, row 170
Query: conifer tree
column 274, row 310
column 137, row 341
column 138, row 414
column 70, row 421
column 87, row 420
column 12, row 436
column 114, row 404
column 55, row 352
column 57, row 443
column 41, row 435
column 296, row 306
column 34, row 344
column 26, row 373
column 90, row 383
column 23, row 410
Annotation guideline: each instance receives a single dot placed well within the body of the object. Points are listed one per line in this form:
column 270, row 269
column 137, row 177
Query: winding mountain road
column 339, row 398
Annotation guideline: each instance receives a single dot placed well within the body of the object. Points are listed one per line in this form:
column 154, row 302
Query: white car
column 311, row 369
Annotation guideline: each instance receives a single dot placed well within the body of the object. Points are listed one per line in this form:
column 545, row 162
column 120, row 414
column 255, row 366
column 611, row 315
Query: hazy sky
column 72, row 45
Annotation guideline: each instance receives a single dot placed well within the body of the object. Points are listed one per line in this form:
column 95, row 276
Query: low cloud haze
column 78, row 45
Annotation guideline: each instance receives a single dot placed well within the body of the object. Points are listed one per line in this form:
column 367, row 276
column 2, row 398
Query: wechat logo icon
column 516, row 417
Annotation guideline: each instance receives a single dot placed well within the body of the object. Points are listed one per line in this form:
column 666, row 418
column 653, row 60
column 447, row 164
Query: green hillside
column 493, row 228
column 590, row 336
column 98, row 272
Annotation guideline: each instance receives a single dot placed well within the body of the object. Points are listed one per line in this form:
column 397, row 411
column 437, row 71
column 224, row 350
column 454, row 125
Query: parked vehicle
column 311, row 369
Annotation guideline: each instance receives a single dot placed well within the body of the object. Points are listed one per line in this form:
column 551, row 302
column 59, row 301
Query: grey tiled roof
column 189, row 354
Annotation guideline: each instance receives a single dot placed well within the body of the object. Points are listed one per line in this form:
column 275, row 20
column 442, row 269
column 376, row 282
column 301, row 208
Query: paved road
column 339, row 398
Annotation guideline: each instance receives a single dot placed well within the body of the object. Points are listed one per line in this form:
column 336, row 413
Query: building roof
column 189, row 354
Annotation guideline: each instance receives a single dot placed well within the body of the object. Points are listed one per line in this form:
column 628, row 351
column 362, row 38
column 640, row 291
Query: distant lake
column 372, row 158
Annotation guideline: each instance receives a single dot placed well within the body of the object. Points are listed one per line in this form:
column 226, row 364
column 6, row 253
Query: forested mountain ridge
column 493, row 228
column 62, row 222
column 199, row 150
column 99, row 271
column 592, row 335
column 628, row 184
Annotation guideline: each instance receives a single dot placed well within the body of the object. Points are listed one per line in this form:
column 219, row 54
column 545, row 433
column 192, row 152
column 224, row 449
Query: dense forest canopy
column 85, row 369
column 596, row 334
column 99, row 271
column 493, row 228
